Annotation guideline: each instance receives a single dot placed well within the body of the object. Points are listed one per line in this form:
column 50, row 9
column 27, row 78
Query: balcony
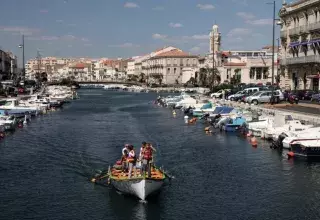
column 301, row 60
column 301, row 29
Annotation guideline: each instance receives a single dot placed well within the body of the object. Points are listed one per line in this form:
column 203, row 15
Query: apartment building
column 8, row 64
column 167, row 67
column 247, row 66
column 300, row 41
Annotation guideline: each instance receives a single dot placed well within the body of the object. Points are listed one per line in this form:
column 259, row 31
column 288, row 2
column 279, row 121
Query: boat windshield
column 7, row 103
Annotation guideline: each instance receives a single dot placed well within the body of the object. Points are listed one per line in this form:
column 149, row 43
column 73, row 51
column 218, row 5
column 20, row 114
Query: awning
column 317, row 76
column 294, row 44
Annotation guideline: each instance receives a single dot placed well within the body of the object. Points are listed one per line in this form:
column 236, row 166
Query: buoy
column 186, row 119
column 1, row 135
column 254, row 142
column 207, row 129
column 290, row 154
column 93, row 180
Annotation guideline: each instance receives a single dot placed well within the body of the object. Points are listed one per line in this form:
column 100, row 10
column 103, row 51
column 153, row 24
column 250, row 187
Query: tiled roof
column 78, row 66
column 174, row 53
column 235, row 64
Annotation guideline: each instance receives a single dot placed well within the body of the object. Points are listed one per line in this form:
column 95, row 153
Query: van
column 251, row 90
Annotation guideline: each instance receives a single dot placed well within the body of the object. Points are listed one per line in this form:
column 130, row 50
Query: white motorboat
column 293, row 125
column 258, row 128
column 293, row 137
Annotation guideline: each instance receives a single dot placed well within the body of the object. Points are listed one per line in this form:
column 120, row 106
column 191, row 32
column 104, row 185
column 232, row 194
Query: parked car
column 264, row 97
column 315, row 97
column 219, row 93
column 235, row 96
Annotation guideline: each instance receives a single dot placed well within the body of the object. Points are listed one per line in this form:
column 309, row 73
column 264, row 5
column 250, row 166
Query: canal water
column 45, row 167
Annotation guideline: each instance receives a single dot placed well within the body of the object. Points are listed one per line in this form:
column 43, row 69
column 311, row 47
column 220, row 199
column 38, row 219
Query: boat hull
column 307, row 152
column 140, row 188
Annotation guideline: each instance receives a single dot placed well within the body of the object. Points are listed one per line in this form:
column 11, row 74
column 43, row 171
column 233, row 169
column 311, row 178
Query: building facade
column 238, row 66
column 300, row 41
column 168, row 67
column 8, row 65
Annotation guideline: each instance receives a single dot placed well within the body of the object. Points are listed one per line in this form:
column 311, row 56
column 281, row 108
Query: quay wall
column 306, row 118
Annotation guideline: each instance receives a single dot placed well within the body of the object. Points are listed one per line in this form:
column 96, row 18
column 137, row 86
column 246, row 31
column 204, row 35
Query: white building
column 167, row 67
column 238, row 66
column 300, row 40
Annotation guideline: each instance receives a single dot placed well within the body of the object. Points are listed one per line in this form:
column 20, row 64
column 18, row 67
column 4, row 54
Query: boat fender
column 1, row 135
column 254, row 142
column 290, row 154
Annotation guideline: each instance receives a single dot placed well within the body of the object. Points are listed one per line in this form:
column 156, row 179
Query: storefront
column 314, row 81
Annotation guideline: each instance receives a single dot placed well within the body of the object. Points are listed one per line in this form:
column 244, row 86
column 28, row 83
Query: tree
column 159, row 78
column 192, row 81
column 203, row 77
column 142, row 78
column 236, row 78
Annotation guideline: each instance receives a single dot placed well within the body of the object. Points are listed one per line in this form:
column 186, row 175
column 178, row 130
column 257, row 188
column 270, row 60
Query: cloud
column 69, row 37
column 199, row 37
column 175, row 25
column 242, row 2
column 59, row 21
column 87, row 45
column 245, row 15
column 158, row 8
column 238, row 32
column 19, row 30
column 195, row 49
column 131, row 5
column 250, row 19
column 260, row 22
column 84, row 39
column 56, row 38
column 43, row 11
column 205, row 6
column 125, row 45
column 180, row 39
column 159, row 36
column 71, row 25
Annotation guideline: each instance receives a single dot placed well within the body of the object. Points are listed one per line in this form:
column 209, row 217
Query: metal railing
column 300, row 60
column 301, row 29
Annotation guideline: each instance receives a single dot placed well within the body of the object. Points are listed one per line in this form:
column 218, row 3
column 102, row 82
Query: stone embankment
column 279, row 109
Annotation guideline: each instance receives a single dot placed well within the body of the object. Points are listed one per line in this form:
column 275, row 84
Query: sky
column 116, row 28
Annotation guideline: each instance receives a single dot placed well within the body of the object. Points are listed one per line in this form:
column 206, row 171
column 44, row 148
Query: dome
column 215, row 28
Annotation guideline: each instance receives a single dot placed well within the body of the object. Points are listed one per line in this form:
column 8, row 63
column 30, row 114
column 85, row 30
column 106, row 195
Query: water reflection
column 129, row 207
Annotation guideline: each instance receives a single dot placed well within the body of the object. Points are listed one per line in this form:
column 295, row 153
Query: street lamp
column 274, row 20
column 23, row 67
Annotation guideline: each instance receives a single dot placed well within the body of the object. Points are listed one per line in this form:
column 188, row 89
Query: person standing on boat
column 131, row 160
column 143, row 146
column 147, row 159
column 125, row 152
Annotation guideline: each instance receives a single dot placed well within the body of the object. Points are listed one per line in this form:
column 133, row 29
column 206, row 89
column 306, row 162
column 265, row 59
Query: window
column 258, row 73
column 169, row 61
column 175, row 61
column 252, row 73
column 187, row 61
column 174, row 70
column 265, row 73
column 168, row 70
